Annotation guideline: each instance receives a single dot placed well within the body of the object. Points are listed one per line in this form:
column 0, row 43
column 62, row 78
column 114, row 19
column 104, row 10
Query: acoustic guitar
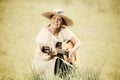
column 62, row 50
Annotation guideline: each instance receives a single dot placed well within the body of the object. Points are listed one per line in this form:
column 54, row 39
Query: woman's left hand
column 71, row 53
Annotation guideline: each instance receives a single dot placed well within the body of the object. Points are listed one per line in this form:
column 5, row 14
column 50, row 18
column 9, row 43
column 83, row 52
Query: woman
column 56, row 31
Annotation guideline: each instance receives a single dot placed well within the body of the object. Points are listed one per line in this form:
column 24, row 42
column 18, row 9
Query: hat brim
column 68, row 22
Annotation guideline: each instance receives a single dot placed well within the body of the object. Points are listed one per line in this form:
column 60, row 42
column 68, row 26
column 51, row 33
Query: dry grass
column 98, row 30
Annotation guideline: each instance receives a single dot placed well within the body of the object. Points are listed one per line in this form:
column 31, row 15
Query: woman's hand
column 76, row 42
column 53, row 53
column 71, row 53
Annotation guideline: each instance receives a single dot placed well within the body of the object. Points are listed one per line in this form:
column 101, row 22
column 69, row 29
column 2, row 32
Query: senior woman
column 56, row 31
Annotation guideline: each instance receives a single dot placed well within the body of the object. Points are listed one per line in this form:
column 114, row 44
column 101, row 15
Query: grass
column 20, row 21
column 86, row 73
column 116, row 75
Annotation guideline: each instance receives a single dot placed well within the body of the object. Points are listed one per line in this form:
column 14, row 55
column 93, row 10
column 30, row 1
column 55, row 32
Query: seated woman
column 49, row 36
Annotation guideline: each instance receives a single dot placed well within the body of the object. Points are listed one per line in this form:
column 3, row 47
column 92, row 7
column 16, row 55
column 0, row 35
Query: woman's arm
column 45, row 55
column 76, row 42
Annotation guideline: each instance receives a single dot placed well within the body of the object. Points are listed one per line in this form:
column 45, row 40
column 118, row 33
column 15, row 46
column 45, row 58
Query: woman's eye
column 59, row 20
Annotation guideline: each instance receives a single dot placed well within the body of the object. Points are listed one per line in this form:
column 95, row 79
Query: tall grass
column 115, row 75
column 98, row 30
column 88, row 73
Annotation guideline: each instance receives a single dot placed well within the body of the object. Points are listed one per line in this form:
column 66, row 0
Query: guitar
column 62, row 50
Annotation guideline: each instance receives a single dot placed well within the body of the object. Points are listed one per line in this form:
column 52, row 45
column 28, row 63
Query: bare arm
column 46, row 56
column 76, row 42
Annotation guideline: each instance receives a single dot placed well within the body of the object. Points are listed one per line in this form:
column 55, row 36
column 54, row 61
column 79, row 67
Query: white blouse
column 46, row 37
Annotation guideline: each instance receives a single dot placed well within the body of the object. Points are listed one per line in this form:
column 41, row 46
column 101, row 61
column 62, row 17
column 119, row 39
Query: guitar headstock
column 46, row 49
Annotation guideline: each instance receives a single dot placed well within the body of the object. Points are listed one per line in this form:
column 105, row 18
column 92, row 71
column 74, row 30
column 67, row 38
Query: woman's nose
column 56, row 20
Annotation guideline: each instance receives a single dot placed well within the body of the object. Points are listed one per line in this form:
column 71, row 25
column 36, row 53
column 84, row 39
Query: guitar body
column 62, row 66
column 67, row 46
column 62, row 50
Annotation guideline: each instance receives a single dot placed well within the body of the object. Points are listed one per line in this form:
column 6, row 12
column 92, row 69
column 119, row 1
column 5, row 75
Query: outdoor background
column 96, row 23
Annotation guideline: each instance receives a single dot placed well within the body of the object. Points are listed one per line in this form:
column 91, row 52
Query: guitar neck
column 48, row 50
column 62, row 51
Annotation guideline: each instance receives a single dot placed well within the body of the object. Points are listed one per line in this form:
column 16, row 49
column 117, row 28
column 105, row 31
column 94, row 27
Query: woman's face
column 56, row 21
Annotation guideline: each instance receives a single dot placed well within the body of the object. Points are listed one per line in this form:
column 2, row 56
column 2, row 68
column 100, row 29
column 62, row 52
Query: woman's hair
column 63, row 21
column 51, row 16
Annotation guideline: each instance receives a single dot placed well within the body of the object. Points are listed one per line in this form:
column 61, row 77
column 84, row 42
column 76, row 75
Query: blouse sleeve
column 67, row 34
column 43, row 36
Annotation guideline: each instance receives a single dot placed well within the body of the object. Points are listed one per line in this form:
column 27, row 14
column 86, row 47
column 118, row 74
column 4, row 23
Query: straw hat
column 59, row 12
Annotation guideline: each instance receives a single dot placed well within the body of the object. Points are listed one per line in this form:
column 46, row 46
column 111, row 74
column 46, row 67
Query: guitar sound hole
column 58, row 45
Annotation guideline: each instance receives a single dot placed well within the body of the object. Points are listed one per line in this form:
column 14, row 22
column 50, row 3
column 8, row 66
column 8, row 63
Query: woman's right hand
column 53, row 53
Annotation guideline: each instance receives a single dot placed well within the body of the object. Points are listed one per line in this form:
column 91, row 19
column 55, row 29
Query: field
column 98, row 28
